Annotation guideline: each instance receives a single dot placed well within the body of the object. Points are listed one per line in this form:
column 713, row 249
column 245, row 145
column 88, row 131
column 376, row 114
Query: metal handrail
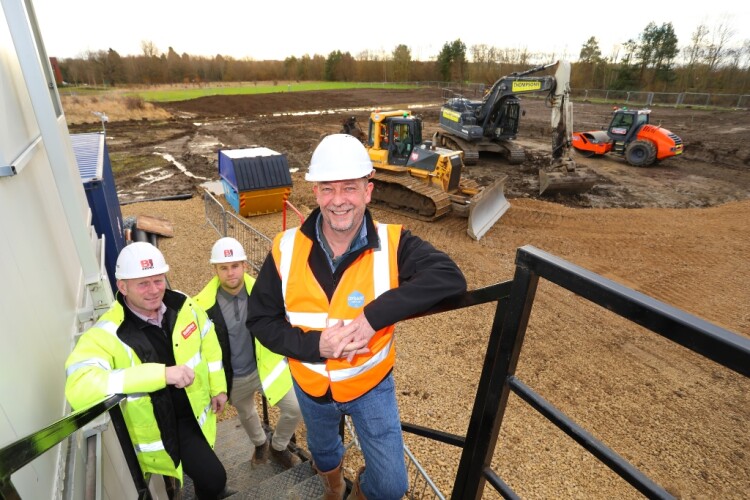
column 17, row 455
column 498, row 379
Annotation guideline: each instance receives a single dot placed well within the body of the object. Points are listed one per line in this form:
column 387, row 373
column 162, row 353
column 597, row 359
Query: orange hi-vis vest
column 374, row 272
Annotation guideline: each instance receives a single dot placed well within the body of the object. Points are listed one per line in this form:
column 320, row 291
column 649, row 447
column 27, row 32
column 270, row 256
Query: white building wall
column 41, row 276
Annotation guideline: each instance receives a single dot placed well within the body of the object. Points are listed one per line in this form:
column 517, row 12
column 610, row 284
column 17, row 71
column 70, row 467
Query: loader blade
column 579, row 180
column 486, row 208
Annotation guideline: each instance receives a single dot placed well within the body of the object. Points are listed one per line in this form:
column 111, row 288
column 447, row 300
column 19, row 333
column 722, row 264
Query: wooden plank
column 155, row 225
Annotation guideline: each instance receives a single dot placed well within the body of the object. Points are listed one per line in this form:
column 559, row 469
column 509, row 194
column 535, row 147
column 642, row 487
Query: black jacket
column 154, row 345
column 426, row 276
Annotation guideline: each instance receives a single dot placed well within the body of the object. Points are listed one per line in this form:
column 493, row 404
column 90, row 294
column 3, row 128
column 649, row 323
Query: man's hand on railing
column 218, row 402
column 180, row 376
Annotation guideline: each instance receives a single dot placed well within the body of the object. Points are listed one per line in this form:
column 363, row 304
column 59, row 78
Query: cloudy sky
column 281, row 28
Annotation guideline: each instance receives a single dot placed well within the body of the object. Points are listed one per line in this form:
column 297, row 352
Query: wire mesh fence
column 256, row 244
column 676, row 99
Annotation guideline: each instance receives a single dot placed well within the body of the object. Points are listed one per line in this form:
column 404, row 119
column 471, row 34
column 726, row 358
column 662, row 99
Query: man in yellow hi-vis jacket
column 159, row 348
column 248, row 365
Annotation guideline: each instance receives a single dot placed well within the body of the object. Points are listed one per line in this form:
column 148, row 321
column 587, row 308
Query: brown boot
column 333, row 482
column 285, row 458
column 260, row 456
column 356, row 493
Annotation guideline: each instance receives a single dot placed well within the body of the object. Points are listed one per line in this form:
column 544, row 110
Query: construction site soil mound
column 677, row 232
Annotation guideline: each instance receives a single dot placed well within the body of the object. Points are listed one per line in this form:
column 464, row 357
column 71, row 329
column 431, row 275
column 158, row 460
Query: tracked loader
column 422, row 181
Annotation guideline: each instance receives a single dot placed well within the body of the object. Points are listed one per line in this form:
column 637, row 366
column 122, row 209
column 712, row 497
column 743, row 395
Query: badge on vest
column 356, row 300
column 189, row 330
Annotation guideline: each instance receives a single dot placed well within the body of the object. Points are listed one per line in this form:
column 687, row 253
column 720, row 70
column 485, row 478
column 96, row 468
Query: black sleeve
column 426, row 276
column 266, row 319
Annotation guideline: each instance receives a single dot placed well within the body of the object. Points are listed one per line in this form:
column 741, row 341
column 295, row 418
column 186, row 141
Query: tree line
column 653, row 61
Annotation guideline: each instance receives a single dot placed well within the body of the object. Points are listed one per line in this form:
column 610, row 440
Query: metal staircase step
column 245, row 477
column 311, row 488
column 257, row 482
column 298, row 483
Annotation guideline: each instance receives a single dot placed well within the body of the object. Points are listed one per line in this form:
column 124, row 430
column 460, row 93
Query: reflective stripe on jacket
column 374, row 272
column 101, row 364
column 273, row 368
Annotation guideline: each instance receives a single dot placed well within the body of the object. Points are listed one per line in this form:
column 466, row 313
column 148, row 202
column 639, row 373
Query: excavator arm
column 490, row 113
column 563, row 174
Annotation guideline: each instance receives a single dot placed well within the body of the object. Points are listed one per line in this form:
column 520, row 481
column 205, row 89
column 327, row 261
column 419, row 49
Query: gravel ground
column 678, row 233
column 681, row 419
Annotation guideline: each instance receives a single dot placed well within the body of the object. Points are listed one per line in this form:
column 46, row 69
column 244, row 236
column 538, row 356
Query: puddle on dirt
column 180, row 166
column 153, row 175
column 348, row 110
column 213, row 187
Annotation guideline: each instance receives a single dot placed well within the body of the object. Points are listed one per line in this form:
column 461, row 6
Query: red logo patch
column 228, row 252
column 147, row 264
column 189, row 330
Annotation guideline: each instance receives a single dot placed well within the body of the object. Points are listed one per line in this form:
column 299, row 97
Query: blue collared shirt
column 357, row 242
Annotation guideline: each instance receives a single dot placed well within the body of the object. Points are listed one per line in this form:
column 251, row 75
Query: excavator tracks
column 516, row 154
column 512, row 152
column 404, row 194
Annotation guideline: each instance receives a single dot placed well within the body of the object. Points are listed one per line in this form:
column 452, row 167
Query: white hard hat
column 227, row 250
column 140, row 260
column 339, row 157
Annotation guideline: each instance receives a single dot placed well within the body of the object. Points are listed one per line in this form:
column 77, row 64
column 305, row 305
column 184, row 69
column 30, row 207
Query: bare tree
column 721, row 36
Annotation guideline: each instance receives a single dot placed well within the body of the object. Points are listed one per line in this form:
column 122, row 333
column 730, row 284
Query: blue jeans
column 378, row 425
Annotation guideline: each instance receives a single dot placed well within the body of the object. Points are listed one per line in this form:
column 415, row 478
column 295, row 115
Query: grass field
column 184, row 92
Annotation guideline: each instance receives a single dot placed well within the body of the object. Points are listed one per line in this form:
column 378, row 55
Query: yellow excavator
column 422, row 181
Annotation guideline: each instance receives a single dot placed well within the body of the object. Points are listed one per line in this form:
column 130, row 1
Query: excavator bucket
column 565, row 176
column 486, row 208
column 572, row 182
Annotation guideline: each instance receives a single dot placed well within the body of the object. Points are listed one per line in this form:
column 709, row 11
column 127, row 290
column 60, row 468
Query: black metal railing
column 514, row 303
column 497, row 380
column 17, row 455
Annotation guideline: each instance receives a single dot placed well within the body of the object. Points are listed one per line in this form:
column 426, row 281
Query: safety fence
column 256, row 244
column 676, row 99
column 621, row 97
column 476, row 91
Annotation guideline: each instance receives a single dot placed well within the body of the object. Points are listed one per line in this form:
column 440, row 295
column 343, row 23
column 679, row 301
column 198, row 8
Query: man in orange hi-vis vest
column 327, row 297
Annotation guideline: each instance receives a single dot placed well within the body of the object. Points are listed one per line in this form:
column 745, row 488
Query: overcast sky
column 282, row 28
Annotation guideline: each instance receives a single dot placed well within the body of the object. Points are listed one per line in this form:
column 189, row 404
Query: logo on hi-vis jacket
column 356, row 300
column 189, row 330
column 526, row 86
column 147, row 264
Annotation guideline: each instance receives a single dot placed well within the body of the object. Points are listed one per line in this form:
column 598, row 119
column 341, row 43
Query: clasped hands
column 340, row 340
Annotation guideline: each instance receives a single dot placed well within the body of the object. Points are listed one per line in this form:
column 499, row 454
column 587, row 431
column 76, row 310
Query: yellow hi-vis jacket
column 374, row 272
column 101, row 365
column 273, row 369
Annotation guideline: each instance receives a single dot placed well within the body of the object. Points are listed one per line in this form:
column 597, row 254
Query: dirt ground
column 677, row 231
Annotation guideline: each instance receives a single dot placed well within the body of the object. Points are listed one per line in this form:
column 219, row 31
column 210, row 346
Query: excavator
column 420, row 180
column 492, row 125
column 631, row 136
